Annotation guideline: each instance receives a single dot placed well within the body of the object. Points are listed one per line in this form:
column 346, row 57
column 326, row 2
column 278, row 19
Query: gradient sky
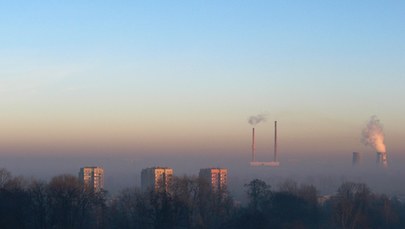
column 182, row 77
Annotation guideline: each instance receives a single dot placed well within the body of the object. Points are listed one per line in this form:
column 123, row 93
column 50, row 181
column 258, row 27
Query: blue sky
column 174, row 71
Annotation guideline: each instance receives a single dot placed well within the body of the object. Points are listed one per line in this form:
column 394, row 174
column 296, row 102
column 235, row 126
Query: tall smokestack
column 275, row 141
column 253, row 144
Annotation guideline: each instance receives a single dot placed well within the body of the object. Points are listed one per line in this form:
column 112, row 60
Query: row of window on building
column 155, row 178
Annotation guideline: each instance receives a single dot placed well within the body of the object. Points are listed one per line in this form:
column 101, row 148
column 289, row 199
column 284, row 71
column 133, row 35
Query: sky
column 181, row 78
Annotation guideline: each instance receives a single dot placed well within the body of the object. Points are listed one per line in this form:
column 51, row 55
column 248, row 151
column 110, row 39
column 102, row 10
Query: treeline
column 190, row 203
column 61, row 203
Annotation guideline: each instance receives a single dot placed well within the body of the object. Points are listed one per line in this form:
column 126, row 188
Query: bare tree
column 351, row 204
column 13, row 201
column 5, row 176
column 39, row 204
column 64, row 192
column 258, row 193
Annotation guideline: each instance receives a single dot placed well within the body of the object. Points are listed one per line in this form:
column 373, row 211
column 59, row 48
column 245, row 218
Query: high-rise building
column 92, row 178
column 216, row 177
column 156, row 179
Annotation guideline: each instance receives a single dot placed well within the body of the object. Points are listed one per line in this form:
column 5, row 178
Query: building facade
column 216, row 177
column 156, row 179
column 92, row 178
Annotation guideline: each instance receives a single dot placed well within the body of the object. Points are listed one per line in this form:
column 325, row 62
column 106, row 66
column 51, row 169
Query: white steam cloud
column 373, row 135
column 256, row 119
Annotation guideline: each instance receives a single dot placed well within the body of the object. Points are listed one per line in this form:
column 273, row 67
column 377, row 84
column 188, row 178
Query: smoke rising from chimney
column 256, row 119
column 373, row 135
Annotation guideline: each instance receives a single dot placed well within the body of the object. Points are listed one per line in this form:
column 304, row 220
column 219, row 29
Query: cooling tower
column 253, row 145
column 381, row 159
column 356, row 158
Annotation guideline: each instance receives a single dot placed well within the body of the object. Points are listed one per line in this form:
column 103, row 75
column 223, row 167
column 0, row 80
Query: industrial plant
column 373, row 135
column 381, row 159
column 356, row 159
column 273, row 163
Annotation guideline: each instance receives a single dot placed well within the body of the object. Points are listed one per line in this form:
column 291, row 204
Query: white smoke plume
column 256, row 119
column 373, row 135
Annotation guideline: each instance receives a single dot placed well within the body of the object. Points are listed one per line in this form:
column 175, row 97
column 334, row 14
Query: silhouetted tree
column 38, row 205
column 351, row 204
column 191, row 203
column 295, row 206
column 64, row 192
column 73, row 206
column 259, row 195
column 259, row 206
column 5, row 176
column 185, row 202
column 13, row 201
column 131, row 209
column 215, row 206
column 381, row 213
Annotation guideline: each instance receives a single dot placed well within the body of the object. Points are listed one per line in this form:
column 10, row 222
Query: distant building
column 381, row 159
column 356, row 158
column 216, row 177
column 92, row 178
column 156, row 178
